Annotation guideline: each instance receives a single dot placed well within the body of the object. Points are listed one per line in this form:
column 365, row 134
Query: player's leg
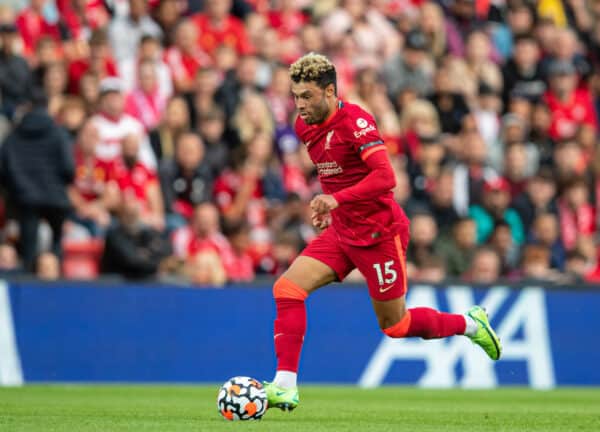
column 321, row 262
column 383, row 265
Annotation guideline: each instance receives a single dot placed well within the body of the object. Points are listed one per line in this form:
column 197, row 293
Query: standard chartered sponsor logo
column 523, row 330
column 329, row 168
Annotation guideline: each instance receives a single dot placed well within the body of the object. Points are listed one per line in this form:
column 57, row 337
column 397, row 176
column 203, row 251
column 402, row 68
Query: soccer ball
column 242, row 398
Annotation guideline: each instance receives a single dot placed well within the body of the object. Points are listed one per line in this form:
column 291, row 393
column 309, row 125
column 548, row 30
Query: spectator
column 485, row 267
column 495, row 207
column 185, row 57
column 441, row 201
column 175, row 120
column 167, row 14
column 37, row 20
column 206, row 269
column 36, row 166
column 82, row 16
column 536, row 264
column 132, row 248
column 409, row 68
column 125, row 32
column 423, row 232
column 545, row 232
column 432, row 270
column 185, row 180
column 211, row 126
column 47, row 267
column 448, row 101
column 205, row 89
column 241, row 267
column 114, row 125
column 92, row 194
column 569, row 106
column 522, row 73
column 487, row 113
column 478, row 58
column 374, row 34
column 426, row 167
column 149, row 50
column 136, row 182
column 502, row 242
column 146, row 103
column 216, row 26
column 575, row 212
column 55, row 85
column 252, row 117
column 9, row 260
column 203, row 232
column 458, row 250
column 472, row 172
column 431, row 22
column 99, row 62
column 15, row 76
column 237, row 83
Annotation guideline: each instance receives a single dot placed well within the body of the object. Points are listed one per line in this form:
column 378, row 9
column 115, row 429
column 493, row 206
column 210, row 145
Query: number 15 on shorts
column 387, row 275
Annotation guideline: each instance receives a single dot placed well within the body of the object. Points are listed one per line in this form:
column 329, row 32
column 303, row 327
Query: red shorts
column 383, row 264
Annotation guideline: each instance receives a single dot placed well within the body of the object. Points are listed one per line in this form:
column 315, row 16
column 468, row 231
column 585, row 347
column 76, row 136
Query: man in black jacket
column 36, row 165
column 132, row 249
column 15, row 76
column 185, row 180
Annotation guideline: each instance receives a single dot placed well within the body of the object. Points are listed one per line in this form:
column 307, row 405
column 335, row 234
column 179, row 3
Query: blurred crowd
column 154, row 138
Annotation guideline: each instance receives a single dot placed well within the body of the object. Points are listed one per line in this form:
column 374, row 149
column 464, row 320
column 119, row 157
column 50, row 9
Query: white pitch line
column 11, row 373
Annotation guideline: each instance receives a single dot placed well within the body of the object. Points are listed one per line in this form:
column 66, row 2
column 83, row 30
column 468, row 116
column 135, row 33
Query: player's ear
column 330, row 90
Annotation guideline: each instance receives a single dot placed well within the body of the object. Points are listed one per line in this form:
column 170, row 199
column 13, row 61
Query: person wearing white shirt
column 114, row 125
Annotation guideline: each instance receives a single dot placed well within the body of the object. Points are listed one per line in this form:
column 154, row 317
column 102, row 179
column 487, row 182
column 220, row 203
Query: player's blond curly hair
column 314, row 67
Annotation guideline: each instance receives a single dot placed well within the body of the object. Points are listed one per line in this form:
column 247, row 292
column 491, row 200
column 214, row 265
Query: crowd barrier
column 93, row 332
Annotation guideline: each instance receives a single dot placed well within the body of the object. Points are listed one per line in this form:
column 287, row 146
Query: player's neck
column 334, row 107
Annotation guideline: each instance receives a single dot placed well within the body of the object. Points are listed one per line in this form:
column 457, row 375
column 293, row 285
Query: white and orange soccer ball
column 242, row 398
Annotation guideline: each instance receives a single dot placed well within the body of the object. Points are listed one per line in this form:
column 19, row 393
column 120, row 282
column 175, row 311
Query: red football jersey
column 338, row 148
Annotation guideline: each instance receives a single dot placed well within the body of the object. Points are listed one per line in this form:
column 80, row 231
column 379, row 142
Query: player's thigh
column 309, row 273
column 321, row 262
column 384, row 267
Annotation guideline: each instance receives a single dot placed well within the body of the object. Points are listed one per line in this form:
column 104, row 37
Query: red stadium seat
column 81, row 259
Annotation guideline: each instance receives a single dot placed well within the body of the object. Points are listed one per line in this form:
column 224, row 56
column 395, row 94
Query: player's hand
column 322, row 204
column 320, row 220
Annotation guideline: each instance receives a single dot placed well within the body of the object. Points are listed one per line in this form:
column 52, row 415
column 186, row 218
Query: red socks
column 290, row 324
column 427, row 323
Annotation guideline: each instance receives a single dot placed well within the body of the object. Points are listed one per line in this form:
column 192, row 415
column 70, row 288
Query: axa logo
column 521, row 323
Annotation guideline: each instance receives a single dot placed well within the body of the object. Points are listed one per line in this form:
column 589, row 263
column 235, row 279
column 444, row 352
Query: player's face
column 311, row 101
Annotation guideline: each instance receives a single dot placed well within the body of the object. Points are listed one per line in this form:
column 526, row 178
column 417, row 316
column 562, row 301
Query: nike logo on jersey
column 387, row 288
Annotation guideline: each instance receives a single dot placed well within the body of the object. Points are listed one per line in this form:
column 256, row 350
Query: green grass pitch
column 190, row 408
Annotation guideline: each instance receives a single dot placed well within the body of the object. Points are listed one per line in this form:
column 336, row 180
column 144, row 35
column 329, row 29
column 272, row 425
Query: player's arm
column 381, row 178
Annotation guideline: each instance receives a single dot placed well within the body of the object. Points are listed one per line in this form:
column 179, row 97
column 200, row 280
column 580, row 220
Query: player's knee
column 396, row 328
column 284, row 288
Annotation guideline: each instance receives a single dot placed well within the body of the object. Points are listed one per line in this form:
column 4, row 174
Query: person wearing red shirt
column 135, row 181
column 203, row 234
column 363, row 227
column 83, row 16
column 90, row 193
column 99, row 62
column 33, row 24
column 570, row 107
column 218, row 27
column 185, row 57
